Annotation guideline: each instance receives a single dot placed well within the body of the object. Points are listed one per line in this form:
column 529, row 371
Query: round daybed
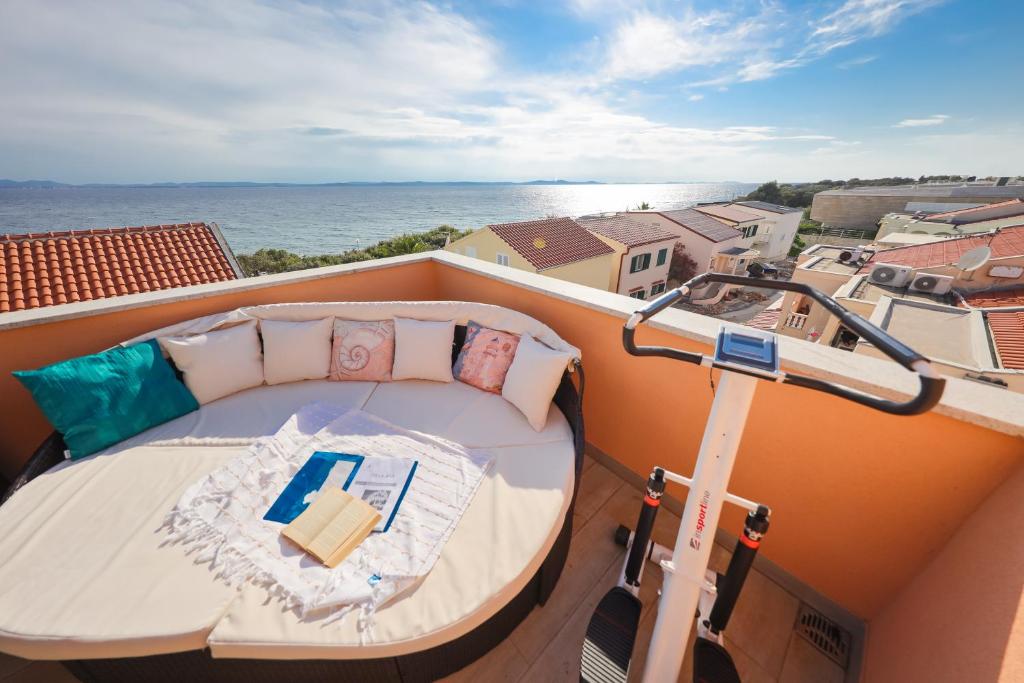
column 88, row 579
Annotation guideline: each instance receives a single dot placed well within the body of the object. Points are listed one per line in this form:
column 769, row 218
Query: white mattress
column 85, row 578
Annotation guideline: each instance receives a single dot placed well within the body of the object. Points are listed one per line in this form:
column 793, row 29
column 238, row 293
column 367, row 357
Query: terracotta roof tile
column 632, row 232
column 50, row 268
column 1008, row 334
column 550, row 242
column 767, row 319
column 1007, row 327
column 995, row 298
column 1007, row 243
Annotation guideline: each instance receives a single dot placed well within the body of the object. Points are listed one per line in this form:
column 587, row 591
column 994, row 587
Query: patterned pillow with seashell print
column 362, row 350
column 485, row 357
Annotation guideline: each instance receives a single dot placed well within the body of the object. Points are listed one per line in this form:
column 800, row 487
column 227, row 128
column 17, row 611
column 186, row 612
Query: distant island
column 52, row 184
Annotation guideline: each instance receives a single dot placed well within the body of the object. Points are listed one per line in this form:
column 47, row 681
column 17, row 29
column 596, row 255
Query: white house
column 768, row 228
column 711, row 243
column 644, row 253
column 777, row 230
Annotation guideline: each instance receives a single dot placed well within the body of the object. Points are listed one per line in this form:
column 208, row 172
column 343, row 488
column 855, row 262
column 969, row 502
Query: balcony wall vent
column 824, row 634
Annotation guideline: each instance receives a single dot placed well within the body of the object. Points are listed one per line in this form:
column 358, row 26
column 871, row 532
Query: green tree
column 267, row 261
column 767, row 192
column 797, row 246
column 643, row 206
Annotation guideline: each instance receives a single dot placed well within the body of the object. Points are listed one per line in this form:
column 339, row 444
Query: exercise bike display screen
column 749, row 348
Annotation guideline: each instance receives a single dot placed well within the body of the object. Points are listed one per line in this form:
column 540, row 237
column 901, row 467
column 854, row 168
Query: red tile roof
column 1008, row 334
column 45, row 269
column 1009, row 242
column 767, row 319
column 551, row 242
column 1007, row 327
column 995, row 298
column 627, row 231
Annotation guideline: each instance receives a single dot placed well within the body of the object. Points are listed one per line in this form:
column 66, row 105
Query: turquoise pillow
column 95, row 401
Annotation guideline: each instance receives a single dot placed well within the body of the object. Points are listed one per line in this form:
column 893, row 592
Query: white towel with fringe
column 220, row 517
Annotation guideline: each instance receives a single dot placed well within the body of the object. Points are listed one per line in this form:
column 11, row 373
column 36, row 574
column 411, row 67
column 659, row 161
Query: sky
column 609, row 90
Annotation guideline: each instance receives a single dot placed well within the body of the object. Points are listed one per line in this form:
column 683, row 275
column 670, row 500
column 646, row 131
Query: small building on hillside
column 644, row 253
column 51, row 268
column 556, row 247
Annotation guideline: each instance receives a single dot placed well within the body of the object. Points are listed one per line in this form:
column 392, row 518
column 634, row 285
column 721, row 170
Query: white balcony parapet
column 963, row 400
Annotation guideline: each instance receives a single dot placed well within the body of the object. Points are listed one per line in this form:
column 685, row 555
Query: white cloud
column 857, row 61
column 647, row 45
column 253, row 91
column 933, row 120
column 752, row 44
column 859, row 19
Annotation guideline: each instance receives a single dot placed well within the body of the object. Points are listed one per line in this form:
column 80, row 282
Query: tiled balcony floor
column 546, row 646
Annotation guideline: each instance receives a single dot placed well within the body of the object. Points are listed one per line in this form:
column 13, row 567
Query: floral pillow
column 485, row 357
column 362, row 350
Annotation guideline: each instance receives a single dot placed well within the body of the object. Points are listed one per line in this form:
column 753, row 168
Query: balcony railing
column 853, row 498
column 796, row 320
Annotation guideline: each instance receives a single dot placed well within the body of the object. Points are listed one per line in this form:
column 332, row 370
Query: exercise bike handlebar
column 931, row 383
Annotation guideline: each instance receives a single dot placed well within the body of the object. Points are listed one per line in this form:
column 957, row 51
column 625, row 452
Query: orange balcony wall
column 864, row 503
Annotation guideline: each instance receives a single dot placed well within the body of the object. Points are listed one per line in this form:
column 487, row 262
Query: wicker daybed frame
column 427, row 665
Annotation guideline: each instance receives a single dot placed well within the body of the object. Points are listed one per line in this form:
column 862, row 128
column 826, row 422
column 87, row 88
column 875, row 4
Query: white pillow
column 216, row 364
column 294, row 351
column 533, row 379
column 423, row 350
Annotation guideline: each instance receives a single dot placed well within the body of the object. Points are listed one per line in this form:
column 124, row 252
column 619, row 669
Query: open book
column 332, row 526
column 380, row 482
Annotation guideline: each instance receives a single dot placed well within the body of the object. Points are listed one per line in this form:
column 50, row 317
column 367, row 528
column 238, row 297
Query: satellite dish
column 974, row 259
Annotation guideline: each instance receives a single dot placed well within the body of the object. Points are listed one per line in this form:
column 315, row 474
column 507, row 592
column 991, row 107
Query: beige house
column 819, row 266
column 556, row 247
column 644, row 253
column 982, row 344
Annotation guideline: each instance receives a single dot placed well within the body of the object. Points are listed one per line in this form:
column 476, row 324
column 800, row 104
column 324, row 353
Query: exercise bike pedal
column 712, row 663
column 611, row 634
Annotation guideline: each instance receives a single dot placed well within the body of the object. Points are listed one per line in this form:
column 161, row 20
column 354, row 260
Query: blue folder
column 310, row 477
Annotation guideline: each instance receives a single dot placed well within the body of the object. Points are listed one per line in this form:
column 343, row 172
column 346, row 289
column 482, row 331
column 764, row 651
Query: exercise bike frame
column 685, row 574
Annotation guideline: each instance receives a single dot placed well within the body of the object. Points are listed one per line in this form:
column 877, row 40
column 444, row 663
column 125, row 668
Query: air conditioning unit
column 848, row 255
column 889, row 274
column 932, row 284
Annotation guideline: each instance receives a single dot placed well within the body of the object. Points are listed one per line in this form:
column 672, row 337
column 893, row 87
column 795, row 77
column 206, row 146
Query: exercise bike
column 689, row 588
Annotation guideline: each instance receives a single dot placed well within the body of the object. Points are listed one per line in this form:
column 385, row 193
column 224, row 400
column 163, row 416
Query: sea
column 323, row 219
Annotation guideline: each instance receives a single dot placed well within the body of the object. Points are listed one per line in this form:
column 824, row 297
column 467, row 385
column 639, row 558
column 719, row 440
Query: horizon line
column 8, row 183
